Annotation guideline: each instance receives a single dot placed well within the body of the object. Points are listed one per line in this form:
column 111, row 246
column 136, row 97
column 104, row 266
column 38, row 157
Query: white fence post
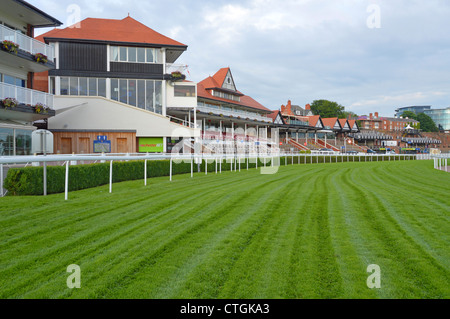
column 1, row 180
column 145, row 172
column 66, row 186
column 110, row 175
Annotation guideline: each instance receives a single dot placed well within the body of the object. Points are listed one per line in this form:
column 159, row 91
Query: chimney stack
column 376, row 115
column 371, row 116
column 307, row 107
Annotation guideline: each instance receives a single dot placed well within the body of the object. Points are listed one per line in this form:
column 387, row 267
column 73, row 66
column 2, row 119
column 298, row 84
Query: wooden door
column 66, row 145
column 122, row 145
column 83, row 145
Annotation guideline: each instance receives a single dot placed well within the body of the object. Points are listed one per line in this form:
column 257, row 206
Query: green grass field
column 309, row 231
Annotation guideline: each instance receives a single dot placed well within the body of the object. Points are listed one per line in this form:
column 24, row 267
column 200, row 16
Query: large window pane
column 101, row 87
column 158, row 56
column 123, row 54
column 115, row 89
column 73, row 86
column 131, row 54
column 9, row 79
column 141, row 55
column 23, row 142
column 92, row 87
column 149, row 97
column 158, row 97
column 141, row 94
column 150, row 55
column 64, row 86
column 132, row 92
column 83, row 86
column 6, row 141
column 123, row 91
column 184, row 90
column 114, row 54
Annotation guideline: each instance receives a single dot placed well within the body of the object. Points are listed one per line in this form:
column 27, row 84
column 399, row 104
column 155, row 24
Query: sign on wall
column 102, row 144
column 151, row 145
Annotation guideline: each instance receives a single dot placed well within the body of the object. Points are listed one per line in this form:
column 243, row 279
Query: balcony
column 27, row 48
column 27, row 99
column 242, row 114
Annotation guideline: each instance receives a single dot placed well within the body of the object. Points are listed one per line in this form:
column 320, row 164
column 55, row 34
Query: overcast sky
column 368, row 55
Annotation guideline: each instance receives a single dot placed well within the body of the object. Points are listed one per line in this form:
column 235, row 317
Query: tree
column 326, row 108
column 426, row 123
column 410, row 115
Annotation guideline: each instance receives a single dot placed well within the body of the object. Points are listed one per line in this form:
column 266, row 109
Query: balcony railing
column 25, row 96
column 243, row 115
column 27, row 43
column 173, row 67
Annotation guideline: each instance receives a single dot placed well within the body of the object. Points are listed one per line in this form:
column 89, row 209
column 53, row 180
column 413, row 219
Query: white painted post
column 239, row 160
column 110, row 175
column 1, row 180
column 216, row 164
column 66, row 184
column 145, row 173
column 170, row 173
column 220, row 165
column 192, row 166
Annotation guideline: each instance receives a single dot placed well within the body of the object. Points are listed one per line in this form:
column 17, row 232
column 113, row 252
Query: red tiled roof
column 126, row 30
column 273, row 115
column 330, row 121
column 313, row 120
column 342, row 121
column 216, row 81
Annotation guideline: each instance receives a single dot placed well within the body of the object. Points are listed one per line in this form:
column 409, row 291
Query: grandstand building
column 113, row 82
column 229, row 120
column 20, row 57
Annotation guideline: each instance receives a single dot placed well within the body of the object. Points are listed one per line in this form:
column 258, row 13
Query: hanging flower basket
column 10, row 46
column 9, row 102
column 41, row 108
column 40, row 58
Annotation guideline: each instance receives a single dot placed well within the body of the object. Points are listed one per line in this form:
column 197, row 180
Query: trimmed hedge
column 29, row 180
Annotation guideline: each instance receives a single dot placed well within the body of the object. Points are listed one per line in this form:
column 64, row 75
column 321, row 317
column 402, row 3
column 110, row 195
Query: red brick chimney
column 307, row 107
column 376, row 115
column 371, row 116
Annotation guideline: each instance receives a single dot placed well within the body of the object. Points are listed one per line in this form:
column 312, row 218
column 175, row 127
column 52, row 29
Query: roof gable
column 127, row 30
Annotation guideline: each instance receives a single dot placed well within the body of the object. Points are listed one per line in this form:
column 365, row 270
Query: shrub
column 29, row 180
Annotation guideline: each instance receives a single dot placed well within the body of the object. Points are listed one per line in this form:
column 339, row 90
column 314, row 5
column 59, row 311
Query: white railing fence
column 25, row 96
column 26, row 43
column 236, row 160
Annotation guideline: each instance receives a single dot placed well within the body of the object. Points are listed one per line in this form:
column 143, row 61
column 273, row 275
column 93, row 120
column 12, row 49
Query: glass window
column 20, row 82
column 132, row 92
column 9, row 79
column 83, row 89
column 184, row 90
column 101, row 87
column 115, row 89
column 73, row 86
column 64, row 86
column 150, row 55
column 158, row 55
column 52, row 85
column 92, row 87
column 158, row 97
column 149, row 97
column 114, row 54
column 123, row 88
column 123, row 54
column 141, row 55
column 6, row 141
column 141, row 94
column 23, row 142
column 131, row 54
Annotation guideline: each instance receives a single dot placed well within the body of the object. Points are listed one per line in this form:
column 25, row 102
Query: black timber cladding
column 83, row 56
column 140, row 68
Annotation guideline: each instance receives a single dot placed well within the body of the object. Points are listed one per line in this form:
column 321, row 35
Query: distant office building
column 441, row 117
column 414, row 109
